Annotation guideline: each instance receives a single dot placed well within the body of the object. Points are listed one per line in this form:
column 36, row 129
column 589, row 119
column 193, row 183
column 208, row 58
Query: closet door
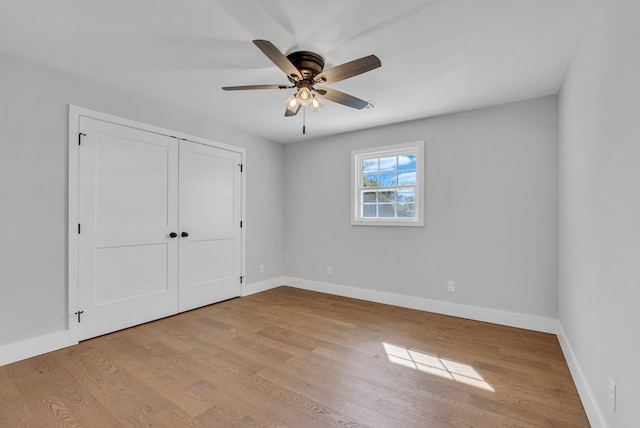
column 210, row 235
column 128, row 207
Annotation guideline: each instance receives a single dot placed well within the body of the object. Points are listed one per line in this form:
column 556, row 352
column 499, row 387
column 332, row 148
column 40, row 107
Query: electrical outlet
column 329, row 271
column 612, row 395
column 261, row 269
column 451, row 286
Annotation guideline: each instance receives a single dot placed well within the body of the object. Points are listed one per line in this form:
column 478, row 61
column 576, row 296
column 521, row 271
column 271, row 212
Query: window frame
column 357, row 156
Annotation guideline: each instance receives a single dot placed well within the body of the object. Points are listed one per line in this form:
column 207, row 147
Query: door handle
column 173, row 235
column 184, row 234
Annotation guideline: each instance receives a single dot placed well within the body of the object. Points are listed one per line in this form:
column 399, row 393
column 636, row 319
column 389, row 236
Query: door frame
column 75, row 113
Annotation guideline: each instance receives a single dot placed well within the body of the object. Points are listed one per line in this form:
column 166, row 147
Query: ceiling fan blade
column 348, row 69
column 289, row 112
column 278, row 58
column 342, row 98
column 244, row 88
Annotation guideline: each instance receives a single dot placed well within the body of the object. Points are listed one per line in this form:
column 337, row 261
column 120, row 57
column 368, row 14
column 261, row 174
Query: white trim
column 257, row 287
column 243, row 216
column 24, row 349
column 589, row 402
column 73, row 197
column 416, row 147
column 75, row 111
column 511, row 319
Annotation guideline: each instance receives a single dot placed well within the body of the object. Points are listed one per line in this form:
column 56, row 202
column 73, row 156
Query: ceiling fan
column 304, row 69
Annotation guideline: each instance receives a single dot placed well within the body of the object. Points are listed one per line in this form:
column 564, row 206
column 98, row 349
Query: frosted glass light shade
column 304, row 96
column 291, row 102
column 316, row 103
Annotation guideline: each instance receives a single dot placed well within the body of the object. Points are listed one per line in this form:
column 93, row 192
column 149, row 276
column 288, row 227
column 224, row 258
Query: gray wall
column 600, row 207
column 33, row 188
column 490, row 211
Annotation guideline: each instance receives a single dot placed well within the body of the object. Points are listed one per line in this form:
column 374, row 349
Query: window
column 386, row 187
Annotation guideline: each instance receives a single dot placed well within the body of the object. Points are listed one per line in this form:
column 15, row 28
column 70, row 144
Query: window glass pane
column 406, row 162
column 387, row 196
column 406, row 195
column 369, row 197
column 389, row 164
column 370, row 180
column 407, row 177
column 386, row 190
column 369, row 211
column 388, row 179
column 406, row 210
column 386, row 210
column 369, row 165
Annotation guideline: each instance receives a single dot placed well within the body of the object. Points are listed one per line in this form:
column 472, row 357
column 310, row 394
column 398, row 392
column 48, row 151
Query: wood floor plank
column 132, row 403
column 294, row 358
column 8, row 389
column 24, row 412
column 285, row 404
column 166, row 384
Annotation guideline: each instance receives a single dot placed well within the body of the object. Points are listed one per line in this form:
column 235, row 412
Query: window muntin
column 387, row 183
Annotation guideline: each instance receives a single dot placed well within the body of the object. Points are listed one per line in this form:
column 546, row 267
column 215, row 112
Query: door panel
column 134, row 171
column 128, row 205
column 201, row 254
column 210, row 210
column 128, row 272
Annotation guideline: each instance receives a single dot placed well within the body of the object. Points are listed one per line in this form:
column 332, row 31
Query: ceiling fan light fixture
column 316, row 103
column 292, row 102
column 304, row 96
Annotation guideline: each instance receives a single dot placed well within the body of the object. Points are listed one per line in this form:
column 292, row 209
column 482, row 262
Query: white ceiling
column 438, row 56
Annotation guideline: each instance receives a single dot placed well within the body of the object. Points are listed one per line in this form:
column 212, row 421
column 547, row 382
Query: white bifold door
column 159, row 228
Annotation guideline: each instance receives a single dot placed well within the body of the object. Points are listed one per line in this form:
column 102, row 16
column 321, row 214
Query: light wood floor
column 295, row 358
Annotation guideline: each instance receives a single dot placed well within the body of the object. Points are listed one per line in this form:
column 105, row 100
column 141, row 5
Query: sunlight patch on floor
column 435, row 365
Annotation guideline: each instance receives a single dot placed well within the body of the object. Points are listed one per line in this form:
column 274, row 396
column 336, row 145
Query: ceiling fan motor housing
column 310, row 64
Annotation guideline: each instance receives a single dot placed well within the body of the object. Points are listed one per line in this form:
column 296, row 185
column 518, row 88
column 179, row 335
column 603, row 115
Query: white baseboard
column 512, row 319
column 256, row 287
column 586, row 396
column 17, row 351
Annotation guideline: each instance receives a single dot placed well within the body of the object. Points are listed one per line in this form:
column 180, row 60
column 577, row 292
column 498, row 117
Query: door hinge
column 80, row 135
column 241, row 167
column 78, row 228
column 78, row 314
column 240, row 224
column 241, row 279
